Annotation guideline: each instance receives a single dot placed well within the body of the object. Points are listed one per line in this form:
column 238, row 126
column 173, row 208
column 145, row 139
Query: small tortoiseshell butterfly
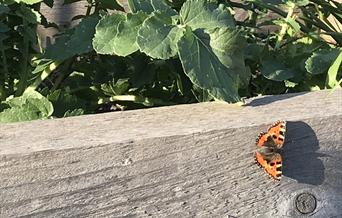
column 270, row 145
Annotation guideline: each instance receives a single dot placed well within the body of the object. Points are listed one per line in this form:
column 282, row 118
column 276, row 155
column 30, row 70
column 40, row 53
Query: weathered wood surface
column 182, row 161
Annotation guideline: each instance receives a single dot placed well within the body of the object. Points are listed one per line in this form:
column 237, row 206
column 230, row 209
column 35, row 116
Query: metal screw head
column 305, row 203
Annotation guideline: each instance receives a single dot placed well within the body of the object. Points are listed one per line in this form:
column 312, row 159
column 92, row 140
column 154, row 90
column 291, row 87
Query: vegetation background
column 121, row 55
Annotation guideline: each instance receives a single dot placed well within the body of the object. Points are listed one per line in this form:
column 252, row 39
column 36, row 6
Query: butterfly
column 270, row 145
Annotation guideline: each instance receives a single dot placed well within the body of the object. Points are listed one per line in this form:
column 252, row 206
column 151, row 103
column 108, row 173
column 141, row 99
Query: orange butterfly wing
column 271, row 163
column 277, row 132
column 262, row 139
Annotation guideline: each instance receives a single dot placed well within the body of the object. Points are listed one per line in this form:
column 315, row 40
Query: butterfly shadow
column 301, row 159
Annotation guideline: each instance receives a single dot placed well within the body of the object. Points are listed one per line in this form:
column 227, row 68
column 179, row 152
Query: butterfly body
column 270, row 145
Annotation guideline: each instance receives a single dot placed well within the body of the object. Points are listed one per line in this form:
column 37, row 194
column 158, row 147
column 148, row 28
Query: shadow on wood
column 301, row 160
column 265, row 100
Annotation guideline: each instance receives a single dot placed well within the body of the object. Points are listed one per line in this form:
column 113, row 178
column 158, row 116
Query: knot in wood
column 305, row 203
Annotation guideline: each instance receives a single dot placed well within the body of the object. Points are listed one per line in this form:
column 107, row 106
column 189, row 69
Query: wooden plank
column 180, row 161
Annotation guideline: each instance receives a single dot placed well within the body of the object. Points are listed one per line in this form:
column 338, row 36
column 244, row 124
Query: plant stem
column 334, row 8
column 271, row 8
column 43, row 75
column 65, row 71
column 89, row 6
column 309, row 18
column 284, row 26
column 136, row 99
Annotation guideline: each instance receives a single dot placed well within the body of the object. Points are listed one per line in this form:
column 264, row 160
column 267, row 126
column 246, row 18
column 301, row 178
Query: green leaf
column 42, row 65
column 3, row 28
column 76, row 41
column 202, row 64
column 297, row 3
column 72, row 113
column 28, row 14
column 64, row 102
column 28, row 2
column 253, row 51
column 140, row 5
column 150, row 6
column 30, row 106
column 229, row 45
column 331, row 81
column 176, row 3
column 116, row 34
column 142, row 71
column 294, row 24
column 201, row 14
column 158, row 37
column 49, row 3
column 4, row 37
column 4, row 9
column 201, row 95
column 111, row 4
column 320, row 61
column 119, row 87
column 106, row 31
column 160, row 5
column 126, row 37
column 290, row 84
column 274, row 70
column 272, row 2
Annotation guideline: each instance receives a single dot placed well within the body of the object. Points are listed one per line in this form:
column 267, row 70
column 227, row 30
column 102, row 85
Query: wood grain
column 180, row 161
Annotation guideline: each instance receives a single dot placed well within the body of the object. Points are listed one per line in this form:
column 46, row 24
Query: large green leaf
column 140, row 5
column 228, row 45
column 106, row 31
column 30, row 106
column 125, row 41
column 205, row 66
column 273, row 69
column 150, row 6
column 160, row 5
column 158, row 37
column 202, row 95
column 321, row 60
column 201, row 14
column 76, row 41
column 116, row 34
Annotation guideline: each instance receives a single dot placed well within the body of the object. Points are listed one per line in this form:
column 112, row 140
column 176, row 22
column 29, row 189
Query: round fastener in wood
column 305, row 203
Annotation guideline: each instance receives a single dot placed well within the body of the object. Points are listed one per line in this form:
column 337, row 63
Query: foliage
column 29, row 106
column 164, row 52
